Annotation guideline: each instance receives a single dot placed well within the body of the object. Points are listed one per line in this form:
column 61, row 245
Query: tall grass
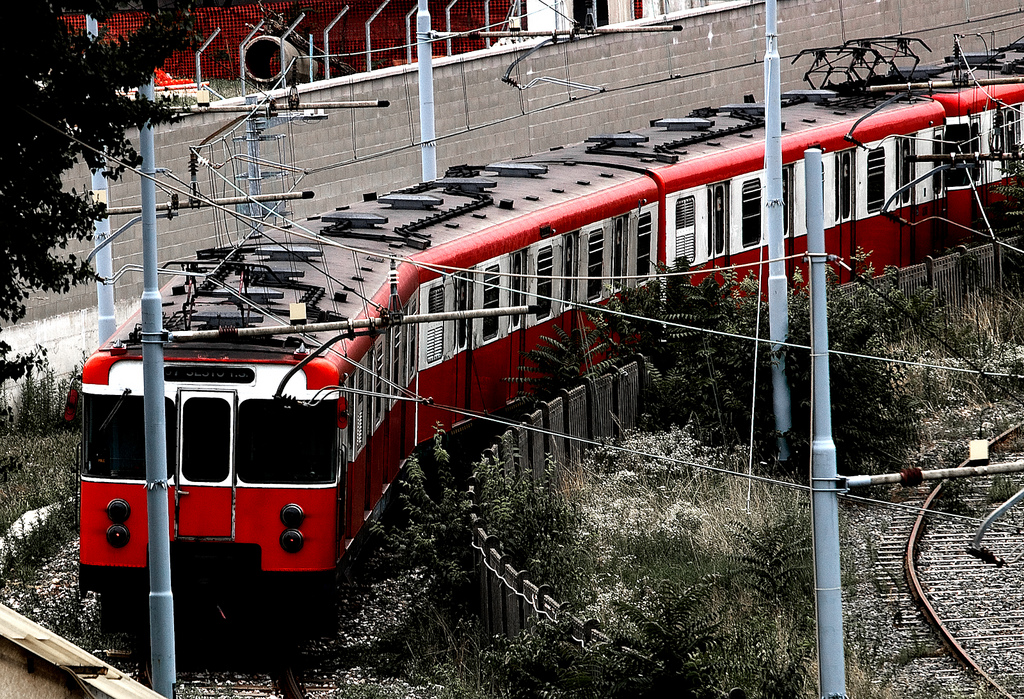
column 37, row 469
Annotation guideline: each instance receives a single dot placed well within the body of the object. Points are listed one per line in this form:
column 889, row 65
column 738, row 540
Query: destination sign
column 209, row 374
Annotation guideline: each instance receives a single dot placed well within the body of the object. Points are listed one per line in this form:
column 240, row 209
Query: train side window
column 492, row 298
column 396, row 362
column 569, row 269
column 750, row 211
column 463, row 302
column 435, row 331
column 114, row 426
column 960, row 138
column 206, row 447
column 718, row 218
column 517, row 282
column 378, row 381
column 595, row 264
column 996, row 136
column 876, row 179
column 545, row 268
column 643, row 245
column 1010, row 130
column 686, row 229
column 299, row 459
column 360, row 409
column 905, row 168
column 620, row 249
column 938, row 147
column 787, row 201
column 844, row 185
column 411, row 337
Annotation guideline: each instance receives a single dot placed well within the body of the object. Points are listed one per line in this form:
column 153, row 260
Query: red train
column 275, row 473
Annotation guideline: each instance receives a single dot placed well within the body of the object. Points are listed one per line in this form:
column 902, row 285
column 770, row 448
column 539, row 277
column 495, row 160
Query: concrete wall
column 715, row 60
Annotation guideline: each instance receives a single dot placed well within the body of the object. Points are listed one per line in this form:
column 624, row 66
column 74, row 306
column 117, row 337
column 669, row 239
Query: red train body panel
column 274, row 477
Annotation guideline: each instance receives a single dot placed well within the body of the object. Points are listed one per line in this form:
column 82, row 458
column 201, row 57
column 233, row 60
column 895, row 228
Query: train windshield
column 115, row 444
column 282, row 443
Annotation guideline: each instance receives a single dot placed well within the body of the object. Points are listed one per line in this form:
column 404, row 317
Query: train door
column 204, row 496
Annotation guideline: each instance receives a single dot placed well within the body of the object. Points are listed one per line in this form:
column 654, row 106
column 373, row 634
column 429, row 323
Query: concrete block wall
column 715, row 59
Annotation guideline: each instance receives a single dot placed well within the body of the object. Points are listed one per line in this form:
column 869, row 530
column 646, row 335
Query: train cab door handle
column 182, row 492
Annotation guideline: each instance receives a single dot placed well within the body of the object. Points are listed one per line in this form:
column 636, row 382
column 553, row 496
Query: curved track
column 976, row 609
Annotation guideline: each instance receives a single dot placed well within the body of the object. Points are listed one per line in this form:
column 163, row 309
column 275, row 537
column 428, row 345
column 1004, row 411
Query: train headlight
column 118, row 511
column 291, row 540
column 118, row 536
column 292, row 516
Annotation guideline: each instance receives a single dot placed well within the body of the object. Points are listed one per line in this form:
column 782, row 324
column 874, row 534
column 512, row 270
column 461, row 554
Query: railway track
column 975, row 608
column 284, row 685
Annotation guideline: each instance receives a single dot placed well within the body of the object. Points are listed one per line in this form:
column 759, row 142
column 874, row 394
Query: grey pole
column 199, row 56
column 425, row 66
column 106, row 324
column 824, row 485
column 327, row 42
column 778, row 304
column 161, row 601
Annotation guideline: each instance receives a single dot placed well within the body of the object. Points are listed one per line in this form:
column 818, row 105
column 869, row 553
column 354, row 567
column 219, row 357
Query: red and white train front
column 231, row 448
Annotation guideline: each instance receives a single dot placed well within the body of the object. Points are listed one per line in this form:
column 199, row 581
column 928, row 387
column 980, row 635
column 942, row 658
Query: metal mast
column 425, row 66
column 828, row 594
column 161, row 600
column 106, row 324
column 778, row 304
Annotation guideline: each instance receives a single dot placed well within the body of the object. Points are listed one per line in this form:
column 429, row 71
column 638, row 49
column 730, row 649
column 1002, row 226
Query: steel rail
column 917, row 591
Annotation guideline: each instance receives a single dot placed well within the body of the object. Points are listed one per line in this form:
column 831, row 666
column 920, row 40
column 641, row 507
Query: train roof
column 337, row 263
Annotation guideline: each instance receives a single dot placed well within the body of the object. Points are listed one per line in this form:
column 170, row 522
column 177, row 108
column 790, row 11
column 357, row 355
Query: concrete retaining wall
column 716, row 59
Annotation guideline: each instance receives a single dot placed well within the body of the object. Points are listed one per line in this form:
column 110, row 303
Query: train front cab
column 254, row 487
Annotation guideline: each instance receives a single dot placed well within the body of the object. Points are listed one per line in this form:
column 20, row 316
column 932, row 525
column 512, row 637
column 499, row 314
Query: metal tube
column 573, row 33
column 241, row 54
column 327, row 43
column 408, row 33
column 999, row 512
column 243, row 109
column 346, row 325
column 778, row 303
column 199, row 54
column 224, row 201
column 935, row 474
column 448, row 24
column 369, row 65
column 824, row 492
column 487, row 21
column 425, row 68
column 936, row 84
column 284, row 38
column 161, row 600
column 106, row 323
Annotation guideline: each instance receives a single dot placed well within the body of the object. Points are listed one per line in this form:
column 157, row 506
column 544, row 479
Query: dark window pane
column 595, row 263
column 115, row 436
column 876, row 180
column 206, row 440
column 751, row 211
column 643, row 245
column 545, row 265
column 281, row 443
column 491, row 297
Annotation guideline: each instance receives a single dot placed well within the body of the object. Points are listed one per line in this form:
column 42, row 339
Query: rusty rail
column 931, row 616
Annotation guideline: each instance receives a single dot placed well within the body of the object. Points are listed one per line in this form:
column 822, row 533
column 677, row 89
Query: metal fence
column 597, row 411
column 953, row 277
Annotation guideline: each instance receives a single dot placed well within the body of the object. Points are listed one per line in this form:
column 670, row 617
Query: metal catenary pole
column 778, row 304
column 161, row 601
column 425, row 67
column 106, row 324
column 824, row 483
